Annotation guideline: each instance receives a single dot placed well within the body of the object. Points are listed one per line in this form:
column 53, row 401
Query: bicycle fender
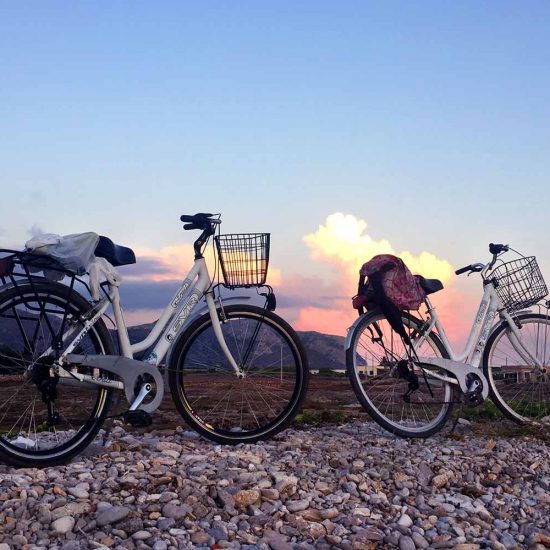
column 129, row 370
column 351, row 330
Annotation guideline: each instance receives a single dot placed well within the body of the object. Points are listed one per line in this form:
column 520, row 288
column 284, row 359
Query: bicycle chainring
column 474, row 396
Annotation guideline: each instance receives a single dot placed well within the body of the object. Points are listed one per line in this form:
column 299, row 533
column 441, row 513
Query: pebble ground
column 344, row 487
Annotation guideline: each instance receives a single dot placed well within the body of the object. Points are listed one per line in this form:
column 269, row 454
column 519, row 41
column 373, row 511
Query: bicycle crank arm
column 460, row 372
column 131, row 372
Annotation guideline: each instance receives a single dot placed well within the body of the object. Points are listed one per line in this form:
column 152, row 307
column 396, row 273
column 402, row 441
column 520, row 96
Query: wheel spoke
column 380, row 386
column 29, row 323
column 228, row 408
column 520, row 390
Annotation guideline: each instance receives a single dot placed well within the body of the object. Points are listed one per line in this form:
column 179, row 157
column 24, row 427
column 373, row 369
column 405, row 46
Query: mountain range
column 324, row 351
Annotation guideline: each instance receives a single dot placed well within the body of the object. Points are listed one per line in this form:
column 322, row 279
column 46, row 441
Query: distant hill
column 324, row 351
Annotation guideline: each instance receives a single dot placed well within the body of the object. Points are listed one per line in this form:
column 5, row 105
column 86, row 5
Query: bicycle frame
column 478, row 337
column 165, row 331
column 467, row 362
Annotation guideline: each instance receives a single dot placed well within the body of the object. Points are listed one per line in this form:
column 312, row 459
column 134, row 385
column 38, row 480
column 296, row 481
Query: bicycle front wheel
column 214, row 400
column 381, row 381
column 43, row 420
column 517, row 385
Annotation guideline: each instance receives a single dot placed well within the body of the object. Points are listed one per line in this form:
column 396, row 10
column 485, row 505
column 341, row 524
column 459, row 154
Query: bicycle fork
column 216, row 325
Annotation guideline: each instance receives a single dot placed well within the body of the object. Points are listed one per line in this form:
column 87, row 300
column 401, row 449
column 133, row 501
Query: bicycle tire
column 202, row 382
column 373, row 390
column 29, row 440
column 520, row 392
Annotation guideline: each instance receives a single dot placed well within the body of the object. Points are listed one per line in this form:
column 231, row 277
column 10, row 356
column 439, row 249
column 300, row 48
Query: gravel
column 344, row 487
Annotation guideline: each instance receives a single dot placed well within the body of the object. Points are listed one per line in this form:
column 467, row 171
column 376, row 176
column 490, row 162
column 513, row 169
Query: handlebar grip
column 189, row 226
column 497, row 248
column 463, row 269
column 200, row 216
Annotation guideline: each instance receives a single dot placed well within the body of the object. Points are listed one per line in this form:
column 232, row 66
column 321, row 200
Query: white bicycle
column 237, row 373
column 411, row 390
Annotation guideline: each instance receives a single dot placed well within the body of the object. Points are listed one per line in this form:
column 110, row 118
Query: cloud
column 307, row 302
column 343, row 243
column 165, row 264
column 298, row 291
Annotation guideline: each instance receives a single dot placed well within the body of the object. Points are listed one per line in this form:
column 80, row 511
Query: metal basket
column 244, row 258
column 519, row 283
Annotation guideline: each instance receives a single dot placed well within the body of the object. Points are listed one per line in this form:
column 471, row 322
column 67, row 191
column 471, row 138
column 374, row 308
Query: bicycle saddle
column 429, row 285
column 115, row 254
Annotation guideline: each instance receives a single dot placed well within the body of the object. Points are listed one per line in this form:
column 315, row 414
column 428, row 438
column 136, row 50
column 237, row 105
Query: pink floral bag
column 400, row 286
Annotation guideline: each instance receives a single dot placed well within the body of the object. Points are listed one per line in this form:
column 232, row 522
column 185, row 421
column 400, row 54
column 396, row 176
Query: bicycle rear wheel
column 380, row 383
column 43, row 420
column 519, row 388
column 225, row 408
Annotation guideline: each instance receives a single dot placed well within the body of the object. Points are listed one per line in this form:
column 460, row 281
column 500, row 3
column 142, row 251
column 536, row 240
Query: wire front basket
column 244, row 258
column 519, row 283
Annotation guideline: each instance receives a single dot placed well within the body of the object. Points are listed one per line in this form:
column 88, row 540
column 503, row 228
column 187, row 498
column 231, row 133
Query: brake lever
column 476, row 268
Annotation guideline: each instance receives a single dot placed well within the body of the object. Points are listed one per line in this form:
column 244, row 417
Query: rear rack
column 15, row 264
column 19, row 271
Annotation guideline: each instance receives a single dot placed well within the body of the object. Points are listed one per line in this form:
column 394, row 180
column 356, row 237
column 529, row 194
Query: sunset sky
column 343, row 128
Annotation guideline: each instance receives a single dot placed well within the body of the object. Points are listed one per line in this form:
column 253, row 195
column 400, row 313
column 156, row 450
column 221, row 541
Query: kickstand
column 108, row 425
column 457, row 418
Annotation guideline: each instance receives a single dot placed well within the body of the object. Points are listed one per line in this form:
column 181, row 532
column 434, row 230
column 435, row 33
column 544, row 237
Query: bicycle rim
column 220, row 405
column 520, row 389
column 381, row 388
column 43, row 421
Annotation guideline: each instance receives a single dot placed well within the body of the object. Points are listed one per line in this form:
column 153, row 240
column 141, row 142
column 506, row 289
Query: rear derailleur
column 405, row 369
column 47, row 385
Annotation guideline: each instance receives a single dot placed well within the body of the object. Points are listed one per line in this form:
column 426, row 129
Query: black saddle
column 114, row 253
column 429, row 285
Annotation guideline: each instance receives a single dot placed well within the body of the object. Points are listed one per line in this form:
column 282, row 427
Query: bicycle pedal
column 473, row 398
column 138, row 419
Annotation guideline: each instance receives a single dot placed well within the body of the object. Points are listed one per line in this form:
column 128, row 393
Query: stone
column 63, row 525
column 439, row 481
column 112, row 515
column 406, row 543
column 200, row 538
column 405, row 521
column 141, row 535
column 246, row 497
column 176, row 511
column 419, row 540
column 297, row 505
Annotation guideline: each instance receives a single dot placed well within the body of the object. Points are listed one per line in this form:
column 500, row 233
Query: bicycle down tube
column 477, row 338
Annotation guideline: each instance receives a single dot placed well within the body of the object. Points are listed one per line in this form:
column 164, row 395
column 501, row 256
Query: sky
column 417, row 127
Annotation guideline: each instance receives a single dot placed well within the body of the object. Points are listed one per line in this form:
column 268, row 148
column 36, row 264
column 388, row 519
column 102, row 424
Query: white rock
column 405, row 521
column 63, row 525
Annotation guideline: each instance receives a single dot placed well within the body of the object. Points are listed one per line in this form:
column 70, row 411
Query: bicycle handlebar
column 472, row 268
column 498, row 248
column 495, row 250
column 205, row 223
column 463, row 270
column 202, row 220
